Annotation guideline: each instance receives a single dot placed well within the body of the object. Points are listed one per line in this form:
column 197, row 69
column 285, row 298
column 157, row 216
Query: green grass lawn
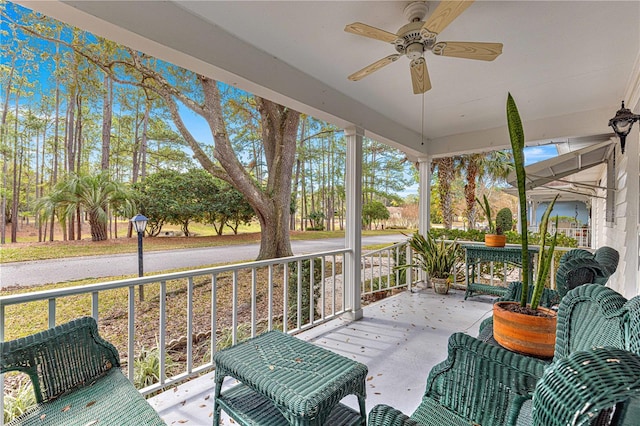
column 20, row 252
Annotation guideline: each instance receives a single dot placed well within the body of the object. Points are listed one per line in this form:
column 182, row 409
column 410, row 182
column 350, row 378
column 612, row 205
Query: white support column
column 353, row 234
column 424, row 193
column 632, row 232
column 424, row 206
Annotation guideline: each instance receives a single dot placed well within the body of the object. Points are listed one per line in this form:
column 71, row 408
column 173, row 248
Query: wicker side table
column 477, row 253
column 286, row 381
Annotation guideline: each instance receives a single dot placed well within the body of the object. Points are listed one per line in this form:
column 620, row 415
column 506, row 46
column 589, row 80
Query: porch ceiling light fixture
column 622, row 123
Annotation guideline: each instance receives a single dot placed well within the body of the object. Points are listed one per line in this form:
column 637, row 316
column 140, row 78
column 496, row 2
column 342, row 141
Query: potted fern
column 436, row 258
column 522, row 327
column 504, row 222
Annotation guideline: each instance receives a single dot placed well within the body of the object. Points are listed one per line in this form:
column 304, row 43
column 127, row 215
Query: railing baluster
column 323, row 262
column 52, row 312
column 254, row 290
column 285, row 296
column 333, row 285
column 214, row 315
column 131, row 332
column 163, row 331
column 190, row 325
column 94, row 305
column 234, row 309
column 311, row 292
column 299, row 294
column 270, row 299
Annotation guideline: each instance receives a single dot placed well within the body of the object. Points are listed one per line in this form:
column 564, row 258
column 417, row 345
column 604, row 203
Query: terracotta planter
column 526, row 334
column 493, row 240
column 440, row 285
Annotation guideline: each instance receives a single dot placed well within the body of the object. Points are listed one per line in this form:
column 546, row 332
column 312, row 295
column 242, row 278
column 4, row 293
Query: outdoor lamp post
column 622, row 123
column 139, row 224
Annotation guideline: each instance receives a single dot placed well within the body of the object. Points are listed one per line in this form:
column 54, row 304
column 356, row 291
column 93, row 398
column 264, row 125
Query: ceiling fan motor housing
column 412, row 41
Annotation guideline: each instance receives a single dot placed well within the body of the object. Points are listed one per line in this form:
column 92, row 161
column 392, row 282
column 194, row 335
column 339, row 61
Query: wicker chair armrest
column 60, row 359
column 383, row 415
column 587, row 384
column 608, row 258
column 483, row 383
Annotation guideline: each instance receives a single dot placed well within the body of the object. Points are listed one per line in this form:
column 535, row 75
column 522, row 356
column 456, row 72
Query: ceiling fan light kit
column 418, row 36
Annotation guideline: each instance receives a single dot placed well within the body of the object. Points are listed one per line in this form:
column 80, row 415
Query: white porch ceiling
column 567, row 63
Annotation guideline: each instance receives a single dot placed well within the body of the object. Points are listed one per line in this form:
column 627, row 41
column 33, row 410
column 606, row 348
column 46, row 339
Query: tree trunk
column 279, row 131
column 470, row 188
column 98, row 228
column 5, row 163
column 445, row 177
column 107, row 115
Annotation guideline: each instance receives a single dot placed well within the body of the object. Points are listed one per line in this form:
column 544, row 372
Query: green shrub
column 18, row 401
column 146, row 367
column 504, row 221
column 304, row 290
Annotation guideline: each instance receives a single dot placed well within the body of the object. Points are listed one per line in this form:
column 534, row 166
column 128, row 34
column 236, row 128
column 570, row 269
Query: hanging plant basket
column 527, row 334
column 440, row 285
column 494, row 240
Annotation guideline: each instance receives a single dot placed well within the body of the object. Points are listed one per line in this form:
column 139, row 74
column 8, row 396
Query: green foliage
column 504, row 221
column 516, row 135
column 18, row 401
column 94, row 194
column 486, row 209
column 178, row 198
column 374, row 212
column 316, row 217
column 458, row 234
column 436, row 258
column 229, row 208
column 304, row 298
column 146, row 367
column 545, row 256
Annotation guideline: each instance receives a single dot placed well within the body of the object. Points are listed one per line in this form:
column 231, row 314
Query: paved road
column 76, row 268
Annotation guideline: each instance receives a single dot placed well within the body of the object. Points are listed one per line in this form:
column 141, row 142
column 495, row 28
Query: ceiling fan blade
column 444, row 14
column 365, row 30
column 369, row 69
column 420, row 76
column 468, row 50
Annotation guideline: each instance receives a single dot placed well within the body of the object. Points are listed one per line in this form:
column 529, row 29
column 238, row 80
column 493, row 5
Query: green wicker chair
column 608, row 258
column 595, row 387
column 488, row 385
column 600, row 386
column 76, row 378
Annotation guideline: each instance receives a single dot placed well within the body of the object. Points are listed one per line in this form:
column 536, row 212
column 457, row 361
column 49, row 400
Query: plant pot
column 440, row 285
column 493, row 240
column 527, row 334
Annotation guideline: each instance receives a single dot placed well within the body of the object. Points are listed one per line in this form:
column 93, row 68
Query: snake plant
column 516, row 134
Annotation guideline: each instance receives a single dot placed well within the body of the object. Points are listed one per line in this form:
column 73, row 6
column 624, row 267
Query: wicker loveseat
column 483, row 384
column 76, row 378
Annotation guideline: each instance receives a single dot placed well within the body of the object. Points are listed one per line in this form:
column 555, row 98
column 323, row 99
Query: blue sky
column 536, row 154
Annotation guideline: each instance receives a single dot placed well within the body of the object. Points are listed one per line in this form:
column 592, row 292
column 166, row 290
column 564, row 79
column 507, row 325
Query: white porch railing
column 290, row 294
column 581, row 235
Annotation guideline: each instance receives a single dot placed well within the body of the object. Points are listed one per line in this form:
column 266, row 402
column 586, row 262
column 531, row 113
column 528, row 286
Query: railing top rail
column 385, row 248
column 110, row 285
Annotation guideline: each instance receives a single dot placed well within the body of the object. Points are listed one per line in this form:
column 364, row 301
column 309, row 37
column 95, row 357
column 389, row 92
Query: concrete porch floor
column 399, row 339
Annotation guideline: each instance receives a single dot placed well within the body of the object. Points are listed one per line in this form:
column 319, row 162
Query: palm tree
column 446, row 175
column 96, row 195
column 477, row 167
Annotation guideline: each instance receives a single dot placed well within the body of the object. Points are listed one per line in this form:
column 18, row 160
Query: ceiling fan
column 419, row 36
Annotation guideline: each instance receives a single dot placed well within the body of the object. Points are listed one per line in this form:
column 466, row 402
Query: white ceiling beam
column 584, row 123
